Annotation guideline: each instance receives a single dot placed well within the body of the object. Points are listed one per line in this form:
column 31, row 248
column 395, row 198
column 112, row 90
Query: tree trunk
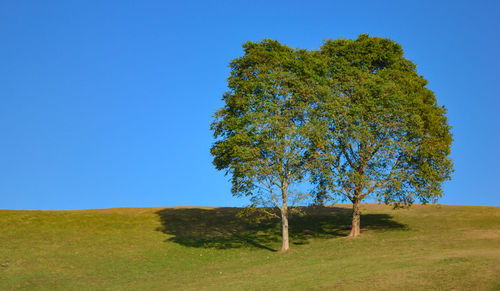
column 356, row 218
column 284, row 231
column 284, row 223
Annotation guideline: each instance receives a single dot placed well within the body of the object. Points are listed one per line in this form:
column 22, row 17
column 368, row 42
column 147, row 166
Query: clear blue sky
column 108, row 103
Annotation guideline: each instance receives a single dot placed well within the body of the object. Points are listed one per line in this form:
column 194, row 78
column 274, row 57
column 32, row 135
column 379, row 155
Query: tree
column 379, row 132
column 260, row 131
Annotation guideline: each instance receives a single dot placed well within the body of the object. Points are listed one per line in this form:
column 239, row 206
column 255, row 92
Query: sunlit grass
column 425, row 247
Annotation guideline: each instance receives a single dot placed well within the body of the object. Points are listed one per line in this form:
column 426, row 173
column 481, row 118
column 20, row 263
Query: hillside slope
column 425, row 247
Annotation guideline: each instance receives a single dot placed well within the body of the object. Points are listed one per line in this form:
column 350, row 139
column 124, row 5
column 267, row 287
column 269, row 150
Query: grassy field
column 425, row 247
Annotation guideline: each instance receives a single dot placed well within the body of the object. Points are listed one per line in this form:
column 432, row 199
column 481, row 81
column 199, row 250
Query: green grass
column 425, row 247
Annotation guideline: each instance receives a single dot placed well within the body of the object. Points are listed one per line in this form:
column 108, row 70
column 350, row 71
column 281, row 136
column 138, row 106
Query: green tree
column 379, row 131
column 260, row 132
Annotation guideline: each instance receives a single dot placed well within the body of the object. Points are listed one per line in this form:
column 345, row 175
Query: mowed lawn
column 425, row 247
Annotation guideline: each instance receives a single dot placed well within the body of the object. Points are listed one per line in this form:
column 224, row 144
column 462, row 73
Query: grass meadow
column 190, row 248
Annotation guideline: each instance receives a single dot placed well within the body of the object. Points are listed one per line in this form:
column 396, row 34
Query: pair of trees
column 353, row 118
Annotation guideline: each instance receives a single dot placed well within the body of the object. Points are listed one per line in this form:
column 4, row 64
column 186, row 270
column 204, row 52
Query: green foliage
column 261, row 131
column 379, row 131
column 355, row 118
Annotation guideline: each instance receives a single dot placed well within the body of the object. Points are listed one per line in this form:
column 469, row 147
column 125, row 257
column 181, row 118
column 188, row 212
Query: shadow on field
column 223, row 228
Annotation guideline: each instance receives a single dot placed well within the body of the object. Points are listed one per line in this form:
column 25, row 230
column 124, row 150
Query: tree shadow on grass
column 223, row 228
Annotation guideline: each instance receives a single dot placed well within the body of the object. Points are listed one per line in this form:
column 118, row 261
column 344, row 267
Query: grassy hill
column 425, row 247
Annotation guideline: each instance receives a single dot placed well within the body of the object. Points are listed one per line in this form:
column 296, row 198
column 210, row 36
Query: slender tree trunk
column 284, row 223
column 356, row 218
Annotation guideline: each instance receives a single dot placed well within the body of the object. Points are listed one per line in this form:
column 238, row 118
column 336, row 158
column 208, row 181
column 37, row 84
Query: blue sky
column 108, row 103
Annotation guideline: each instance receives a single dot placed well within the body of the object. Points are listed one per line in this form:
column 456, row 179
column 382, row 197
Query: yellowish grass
column 422, row 248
